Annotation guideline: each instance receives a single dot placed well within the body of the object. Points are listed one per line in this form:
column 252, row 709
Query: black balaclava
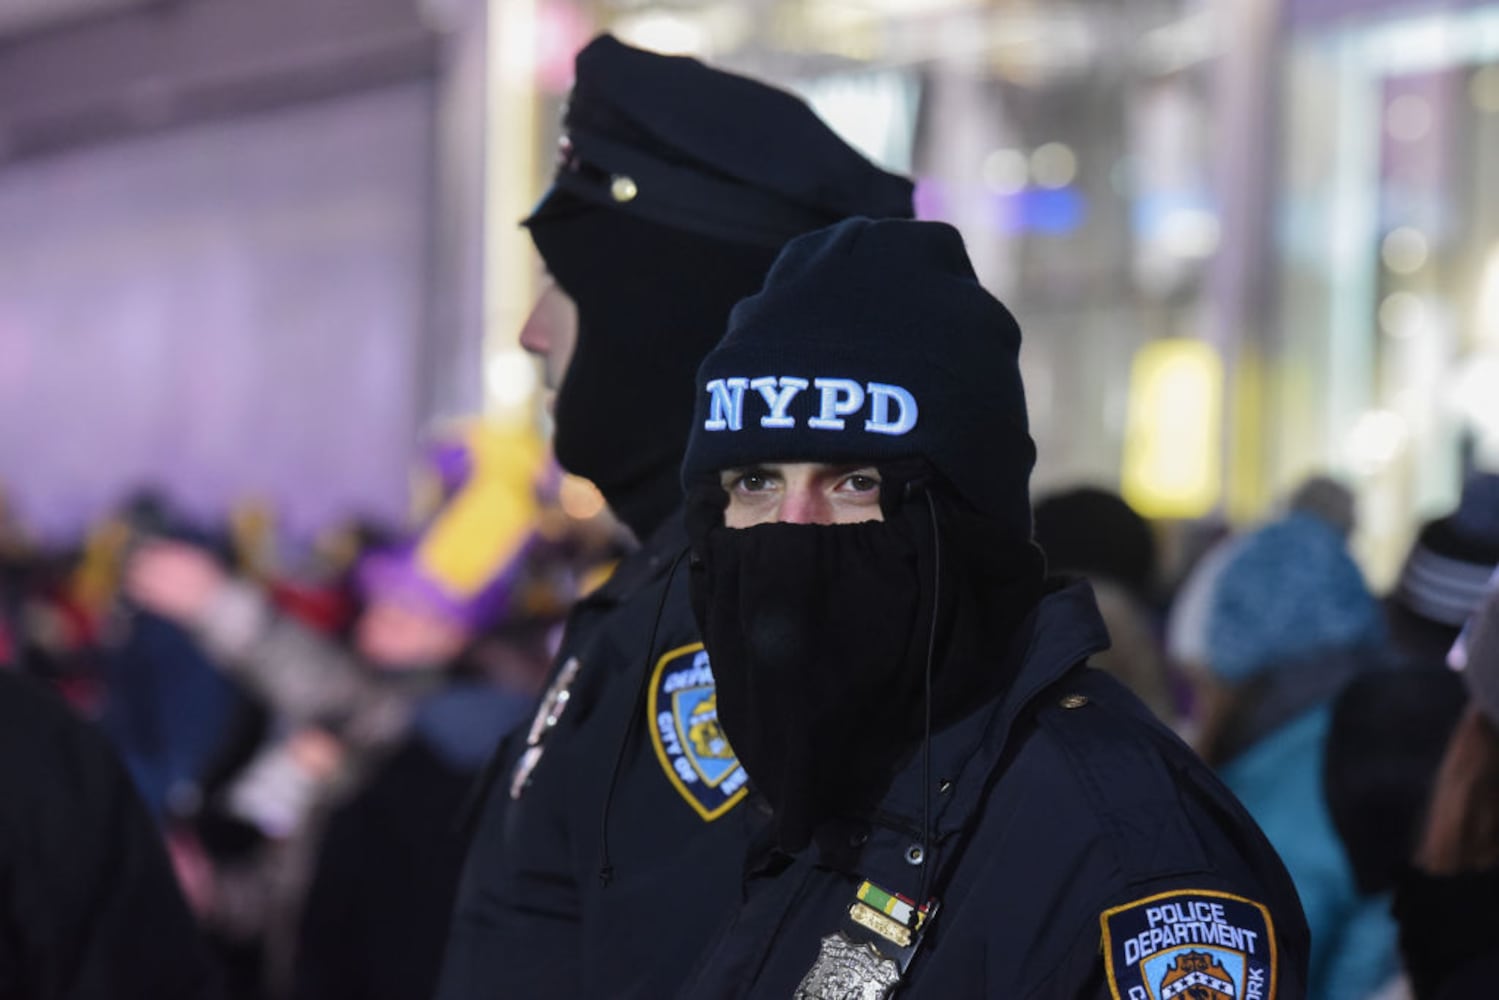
column 623, row 409
column 820, row 637
column 871, row 343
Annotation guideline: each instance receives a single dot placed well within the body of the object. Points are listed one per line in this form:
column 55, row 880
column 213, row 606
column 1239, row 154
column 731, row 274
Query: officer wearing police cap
column 959, row 806
column 612, row 833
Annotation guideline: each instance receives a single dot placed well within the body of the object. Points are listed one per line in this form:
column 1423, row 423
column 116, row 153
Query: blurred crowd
column 309, row 731
column 295, row 722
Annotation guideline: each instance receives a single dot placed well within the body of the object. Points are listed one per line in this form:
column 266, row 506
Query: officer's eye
column 748, row 480
column 862, row 481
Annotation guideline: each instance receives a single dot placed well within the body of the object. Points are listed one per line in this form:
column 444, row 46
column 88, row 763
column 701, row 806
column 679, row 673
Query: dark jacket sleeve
column 515, row 926
column 90, row 904
column 516, row 922
column 1087, row 973
column 1175, row 838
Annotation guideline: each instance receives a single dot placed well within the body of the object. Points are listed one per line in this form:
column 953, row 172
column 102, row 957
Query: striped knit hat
column 1451, row 562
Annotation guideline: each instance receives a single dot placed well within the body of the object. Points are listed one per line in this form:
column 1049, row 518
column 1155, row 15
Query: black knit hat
column 1094, row 531
column 871, row 341
column 670, row 140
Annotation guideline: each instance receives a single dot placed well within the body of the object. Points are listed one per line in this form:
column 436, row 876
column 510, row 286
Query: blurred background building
column 250, row 251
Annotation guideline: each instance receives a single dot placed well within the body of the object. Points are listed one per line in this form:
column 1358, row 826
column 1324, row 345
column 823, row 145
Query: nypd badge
column 683, row 711
column 1192, row 945
column 848, row 970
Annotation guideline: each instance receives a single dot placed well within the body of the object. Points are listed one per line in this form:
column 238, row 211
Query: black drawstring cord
column 606, row 869
column 926, row 736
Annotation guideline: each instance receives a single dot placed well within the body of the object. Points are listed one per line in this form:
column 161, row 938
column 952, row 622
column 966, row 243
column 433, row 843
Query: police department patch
column 1190, row 945
column 683, row 711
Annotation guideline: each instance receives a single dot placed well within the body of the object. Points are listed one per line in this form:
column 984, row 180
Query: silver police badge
column 848, row 970
column 553, row 704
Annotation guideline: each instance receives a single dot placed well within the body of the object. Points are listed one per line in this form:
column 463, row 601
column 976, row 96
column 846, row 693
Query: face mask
column 819, row 637
column 818, row 640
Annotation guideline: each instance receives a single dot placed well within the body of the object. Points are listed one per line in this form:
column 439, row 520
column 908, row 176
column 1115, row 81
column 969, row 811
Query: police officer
column 960, row 806
column 676, row 186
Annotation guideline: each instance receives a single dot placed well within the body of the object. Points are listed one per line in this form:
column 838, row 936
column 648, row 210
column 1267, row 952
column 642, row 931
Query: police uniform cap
column 670, row 140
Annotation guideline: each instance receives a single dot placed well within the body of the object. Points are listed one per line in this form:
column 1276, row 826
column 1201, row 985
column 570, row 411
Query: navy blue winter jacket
column 1079, row 850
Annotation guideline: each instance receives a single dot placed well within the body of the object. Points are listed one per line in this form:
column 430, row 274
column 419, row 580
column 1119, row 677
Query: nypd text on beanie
column 871, row 341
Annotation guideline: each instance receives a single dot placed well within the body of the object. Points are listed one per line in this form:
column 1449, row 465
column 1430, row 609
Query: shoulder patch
column 683, row 716
column 1192, row 944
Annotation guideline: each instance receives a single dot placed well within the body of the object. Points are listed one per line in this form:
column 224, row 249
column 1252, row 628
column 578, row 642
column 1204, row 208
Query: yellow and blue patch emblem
column 689, row 742
column 1192, row 945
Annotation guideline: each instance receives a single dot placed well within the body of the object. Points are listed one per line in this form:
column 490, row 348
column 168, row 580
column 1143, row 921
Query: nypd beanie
column 872, row 341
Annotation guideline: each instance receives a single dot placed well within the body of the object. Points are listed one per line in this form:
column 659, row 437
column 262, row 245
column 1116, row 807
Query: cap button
column 622, row 188
column 1074, row 701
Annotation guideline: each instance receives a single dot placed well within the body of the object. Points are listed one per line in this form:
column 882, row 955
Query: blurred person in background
column 14, row 557
column 1445, row 573
column 1385, row 743
column 1390, row 729
column 676, row 186
column 1328, row 500
column 1187, row 617
column 88, row 905
column 376, row 916
column 53, row 636
column 166, row 703
column 1096, row 534
column 1448, row 902
column 1289, row 622
column 50, row 627
column 340, row 708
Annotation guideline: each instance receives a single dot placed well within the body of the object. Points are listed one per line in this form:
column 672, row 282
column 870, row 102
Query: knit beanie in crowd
column 676, row 186
column 1325, row 497
column 873, row 341
column 1289, row 592
column 1096, row 532
column 1451, row 561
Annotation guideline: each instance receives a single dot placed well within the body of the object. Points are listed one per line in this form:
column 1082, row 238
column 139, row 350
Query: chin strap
column 926, row 722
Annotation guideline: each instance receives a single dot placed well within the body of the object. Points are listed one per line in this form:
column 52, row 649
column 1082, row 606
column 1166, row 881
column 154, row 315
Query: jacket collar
column 1064, row 629
column 645, row 565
